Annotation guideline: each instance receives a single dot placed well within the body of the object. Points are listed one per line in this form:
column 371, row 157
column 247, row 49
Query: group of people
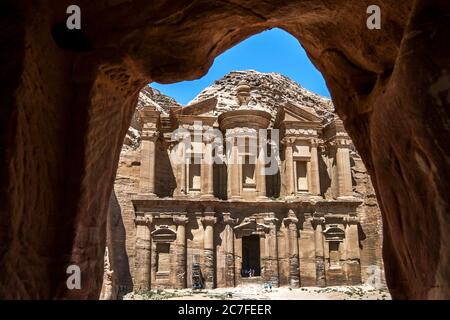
column 248, row 272
column 268, row 286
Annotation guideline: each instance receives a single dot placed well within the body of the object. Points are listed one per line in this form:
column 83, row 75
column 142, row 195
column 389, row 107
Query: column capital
column 180, row 219
column 341, row 143
column 314, row 142
column 209, row 137
column 143, row 220
column 209, row 217
column 228, row 220
column 351, row 220
column 291, row 218
column 180, row 135
column 271, row 220
column 288, row 141
column 317, row 220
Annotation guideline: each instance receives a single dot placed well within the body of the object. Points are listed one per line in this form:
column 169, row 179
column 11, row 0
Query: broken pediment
column 202, row 108
column 291, row 113
column 250, row 226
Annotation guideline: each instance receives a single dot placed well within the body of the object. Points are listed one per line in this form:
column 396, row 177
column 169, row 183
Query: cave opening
column 313, row 165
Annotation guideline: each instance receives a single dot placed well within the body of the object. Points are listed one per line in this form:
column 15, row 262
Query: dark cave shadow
column 117, row 247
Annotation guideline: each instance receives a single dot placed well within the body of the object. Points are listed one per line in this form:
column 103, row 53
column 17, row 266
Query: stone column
column 319, row 248
column 272, row 260
column 352, row 238
column 180, row 161
column 143, row 252
column 150, row 123
column 261, row 193
column 207, row 187
column 352, row 251
column 153, row 265
column 315, row 178
column 233, row 179
column 181, row 270
column 229, row 249
column 148, row 162
column 208, row 246
column 344, row 173
column 294, row 271
column 289, row 166
column 237, row 259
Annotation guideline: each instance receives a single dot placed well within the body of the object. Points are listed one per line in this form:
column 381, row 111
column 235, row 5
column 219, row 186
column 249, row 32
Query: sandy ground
column 257, row 292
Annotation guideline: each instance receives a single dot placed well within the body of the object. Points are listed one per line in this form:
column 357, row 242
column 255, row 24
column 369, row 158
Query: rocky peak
column 267, row 90
column 152, row 97
column 148, row 96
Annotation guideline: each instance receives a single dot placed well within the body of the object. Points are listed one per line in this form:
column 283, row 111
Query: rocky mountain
column 147, row 97
column 270, row 90
column 152, row 97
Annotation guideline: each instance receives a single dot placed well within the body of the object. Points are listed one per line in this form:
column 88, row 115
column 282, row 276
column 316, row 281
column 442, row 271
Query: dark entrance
column 251, row 265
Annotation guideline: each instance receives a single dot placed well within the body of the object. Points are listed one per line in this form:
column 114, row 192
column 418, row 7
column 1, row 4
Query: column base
column 345, row 197
column 208, row 197
column 235, row 198
column 294, row 283
column 320, row 272
column 148, row 194
column 262, row 198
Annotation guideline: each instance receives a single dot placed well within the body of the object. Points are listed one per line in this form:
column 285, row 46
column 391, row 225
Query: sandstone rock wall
column 371, row 221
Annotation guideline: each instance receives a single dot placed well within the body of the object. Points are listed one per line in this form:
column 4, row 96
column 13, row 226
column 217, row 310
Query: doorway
column 251, row 257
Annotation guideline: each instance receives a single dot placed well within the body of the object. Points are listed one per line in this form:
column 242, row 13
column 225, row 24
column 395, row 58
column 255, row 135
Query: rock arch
column 66, row 105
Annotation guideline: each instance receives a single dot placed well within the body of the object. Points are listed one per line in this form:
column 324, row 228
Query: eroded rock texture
column 68, row 99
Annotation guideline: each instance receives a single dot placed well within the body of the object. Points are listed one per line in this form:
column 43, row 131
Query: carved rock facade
column 298, row 225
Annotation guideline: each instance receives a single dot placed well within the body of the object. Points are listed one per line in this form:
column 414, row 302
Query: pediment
column 251, row 226
column 163, row 234
column 201, row 108
column 295, row 113
column 334, row 233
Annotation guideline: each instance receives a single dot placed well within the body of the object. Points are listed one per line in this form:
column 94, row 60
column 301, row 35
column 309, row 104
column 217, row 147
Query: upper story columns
column 246, row 152
column 299, row 130
column 300, row 165
column 192, row 156
column 150, row 134
column 339, row 146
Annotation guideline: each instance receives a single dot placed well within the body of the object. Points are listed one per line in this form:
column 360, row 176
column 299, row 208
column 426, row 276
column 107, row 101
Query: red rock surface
column 68, row 99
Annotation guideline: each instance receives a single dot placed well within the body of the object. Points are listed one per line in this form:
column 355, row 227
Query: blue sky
column 270, row 51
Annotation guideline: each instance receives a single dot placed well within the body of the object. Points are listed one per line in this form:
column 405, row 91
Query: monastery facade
column 244, row 194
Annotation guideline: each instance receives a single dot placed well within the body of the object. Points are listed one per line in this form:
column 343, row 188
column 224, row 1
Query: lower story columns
column 209, row 220
column 143, row 252
column 271, row 264
column 230, row 277
column 294, row 270
column 180, row 270
column 352, row 251
column 319, row 249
